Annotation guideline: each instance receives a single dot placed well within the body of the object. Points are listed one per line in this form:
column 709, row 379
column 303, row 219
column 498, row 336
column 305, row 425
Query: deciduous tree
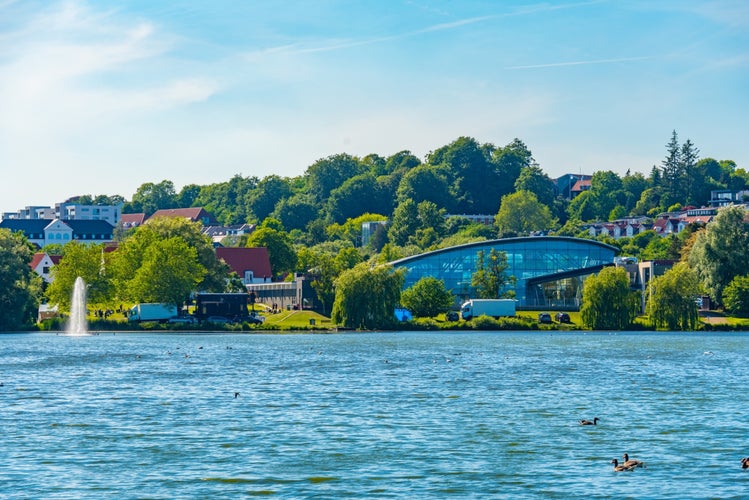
column 491, row 274
column 20, row 286
column 736, row 296
column 719, row 253
column 672, row 299
column 89, row 262
column 522, row 213
column 608, row 303
column 427, row 298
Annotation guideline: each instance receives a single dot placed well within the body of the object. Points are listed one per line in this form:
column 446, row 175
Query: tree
column 404, row 223
column 672, row 299
column 736, row 296
column 169, row 272
column 228, row 201
column 509, row 161
column 264, row 198
column 608, row 303
column 356, row 196
column 366, row 298
column 475, row 181
column 534, row 180
column 425, row 182
column 90, row 263
column 522, row 213
column 719, row 252
column 427, row 298
column 491, row 274
column 296, row 212
column 280, row 249
column 20, row 286
column 326, row 174
column 151, row 197
column 131, row 254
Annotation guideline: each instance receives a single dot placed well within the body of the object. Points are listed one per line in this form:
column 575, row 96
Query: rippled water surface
column 416, row 415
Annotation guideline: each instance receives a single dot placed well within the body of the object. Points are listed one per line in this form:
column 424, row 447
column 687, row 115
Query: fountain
column 77, row 324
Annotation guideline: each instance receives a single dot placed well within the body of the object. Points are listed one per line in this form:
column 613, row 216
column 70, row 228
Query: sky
column 100, row 97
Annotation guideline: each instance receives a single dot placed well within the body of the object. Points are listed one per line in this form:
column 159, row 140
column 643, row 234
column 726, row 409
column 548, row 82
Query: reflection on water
column 389, row 414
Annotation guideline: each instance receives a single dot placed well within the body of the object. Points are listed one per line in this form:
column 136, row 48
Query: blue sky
column 100, row 97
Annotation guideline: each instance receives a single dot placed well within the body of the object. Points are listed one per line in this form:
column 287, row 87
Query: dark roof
column 246, row 259
column 90, row 226
column 35, row 226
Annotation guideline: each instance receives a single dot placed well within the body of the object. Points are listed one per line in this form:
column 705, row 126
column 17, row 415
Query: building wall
column 530, row 260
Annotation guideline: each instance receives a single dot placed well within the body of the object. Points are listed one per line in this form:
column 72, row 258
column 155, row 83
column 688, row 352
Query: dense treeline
column 314, row 222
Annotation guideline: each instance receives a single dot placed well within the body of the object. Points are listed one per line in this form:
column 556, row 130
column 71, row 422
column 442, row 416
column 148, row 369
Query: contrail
column 578, row 63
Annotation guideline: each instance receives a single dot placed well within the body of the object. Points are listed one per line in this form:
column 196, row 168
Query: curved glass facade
column 548, row 269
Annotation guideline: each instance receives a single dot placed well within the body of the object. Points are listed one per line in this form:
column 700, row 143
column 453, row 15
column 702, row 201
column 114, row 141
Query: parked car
column 562, row 317
column 184, row 320
column 217, row 320
column 544, row 318
column 255, row 318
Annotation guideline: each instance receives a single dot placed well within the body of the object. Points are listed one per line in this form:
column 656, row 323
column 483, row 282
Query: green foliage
column 135, row 253
column 228, row 201
column 428, row 297
column 89, row 262
column 329, row 173
column 350, row 230
column 356, row 196
column 719, row 253
column 263, row 199
column 168, row 273
column 671, row 299
column 608, row 303
column 280, row 248
column 151, row 197
column 20, row 286
column 532, row 179
column 490, row 275
column 522, row 213
column 736, row 296
column 366, row 297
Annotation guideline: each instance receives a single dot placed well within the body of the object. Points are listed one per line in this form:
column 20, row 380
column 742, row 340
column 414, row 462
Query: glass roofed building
column 548, row 270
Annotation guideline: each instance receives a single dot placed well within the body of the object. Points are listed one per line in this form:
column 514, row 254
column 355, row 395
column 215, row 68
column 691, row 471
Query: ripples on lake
column 365, row 415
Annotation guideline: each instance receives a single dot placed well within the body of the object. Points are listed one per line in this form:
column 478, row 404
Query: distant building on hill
column 42, row 232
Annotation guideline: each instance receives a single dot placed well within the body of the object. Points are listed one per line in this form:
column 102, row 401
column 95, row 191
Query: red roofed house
column 579, row 186
column 195, row 214
column 128, row 221
column 252, row 265
column 42, row 262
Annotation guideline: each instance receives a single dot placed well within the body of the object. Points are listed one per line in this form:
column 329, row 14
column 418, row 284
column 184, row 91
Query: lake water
column 417, row 415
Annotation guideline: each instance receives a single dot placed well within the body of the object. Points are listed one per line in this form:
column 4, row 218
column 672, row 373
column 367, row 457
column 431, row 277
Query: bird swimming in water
column 236, row 395
column 590, row 422
column 632, row 463
column 621, row 467
column 744, row 461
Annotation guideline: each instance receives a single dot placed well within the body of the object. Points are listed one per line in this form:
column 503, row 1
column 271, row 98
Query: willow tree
column 366, row 298
column 608, row 303
column 672, row 299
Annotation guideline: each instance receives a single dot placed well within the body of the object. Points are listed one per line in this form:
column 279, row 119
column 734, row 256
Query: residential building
column 42, row 232
column 252, row 265
column 195, row 214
